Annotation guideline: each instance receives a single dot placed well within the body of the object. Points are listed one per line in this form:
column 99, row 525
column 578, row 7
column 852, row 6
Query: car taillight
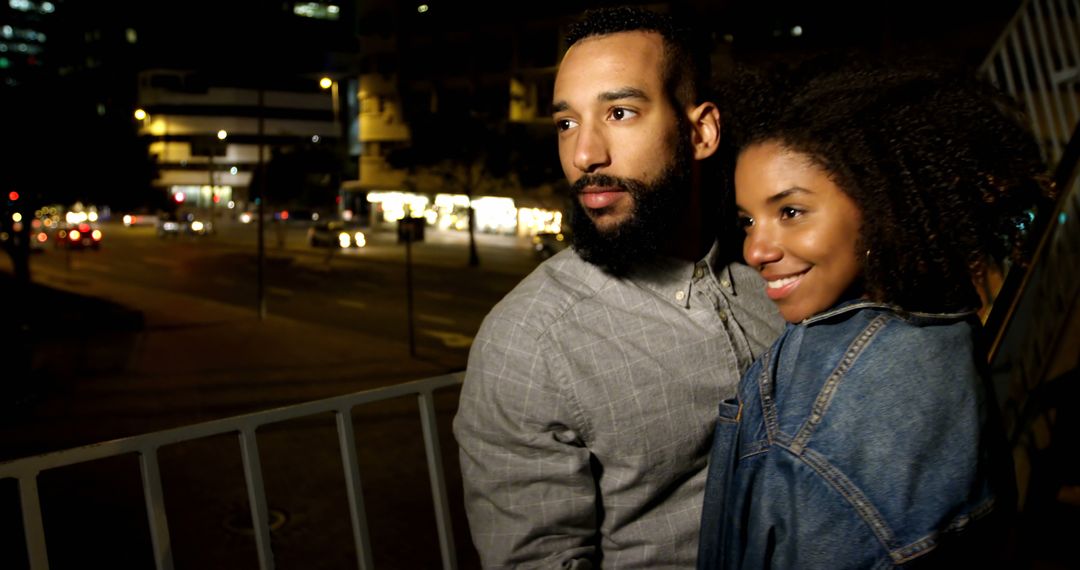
column 96, row 235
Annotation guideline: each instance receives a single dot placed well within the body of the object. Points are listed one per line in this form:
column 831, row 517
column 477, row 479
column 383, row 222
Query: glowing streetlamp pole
column 221, row 136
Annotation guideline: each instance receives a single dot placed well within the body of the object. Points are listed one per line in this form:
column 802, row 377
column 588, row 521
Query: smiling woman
column 873, row 196
column 801, row 230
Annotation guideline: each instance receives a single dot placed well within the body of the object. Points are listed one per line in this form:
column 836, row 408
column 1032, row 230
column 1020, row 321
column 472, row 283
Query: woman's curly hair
column 939, row 163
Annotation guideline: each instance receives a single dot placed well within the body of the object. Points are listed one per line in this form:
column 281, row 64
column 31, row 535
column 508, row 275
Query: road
column 361, row 290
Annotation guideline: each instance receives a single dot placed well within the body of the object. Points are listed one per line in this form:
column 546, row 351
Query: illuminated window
column 317, row 10
column 28, row 6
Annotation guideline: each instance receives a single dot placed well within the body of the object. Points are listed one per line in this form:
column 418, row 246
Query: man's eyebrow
column 623, row 93
column 606, row 96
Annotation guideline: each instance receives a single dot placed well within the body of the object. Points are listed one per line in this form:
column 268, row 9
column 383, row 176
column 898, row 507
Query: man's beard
column 657, row 206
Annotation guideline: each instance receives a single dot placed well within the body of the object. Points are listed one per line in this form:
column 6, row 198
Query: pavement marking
column 352, row 304
column 450, row 339
column 434, row 319
column 100, row 268
column 160, row 261
column 280, row 291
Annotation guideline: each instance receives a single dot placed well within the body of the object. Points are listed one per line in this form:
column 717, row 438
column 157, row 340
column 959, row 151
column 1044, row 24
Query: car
column 547, row 244
column 183, row 224
column 78, row 236
column 336, row 233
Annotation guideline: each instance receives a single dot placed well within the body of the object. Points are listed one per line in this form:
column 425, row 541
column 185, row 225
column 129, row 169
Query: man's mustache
column 607, row 181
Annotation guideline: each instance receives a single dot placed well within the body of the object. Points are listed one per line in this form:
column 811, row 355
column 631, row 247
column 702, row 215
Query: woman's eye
column 621, row 114
column 745, row 222
column 788, row 212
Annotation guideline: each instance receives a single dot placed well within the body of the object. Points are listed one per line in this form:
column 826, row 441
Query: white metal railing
column 1037, row 61
column 27, row 470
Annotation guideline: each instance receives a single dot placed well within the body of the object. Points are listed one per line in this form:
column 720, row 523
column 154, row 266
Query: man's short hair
column 687, row 69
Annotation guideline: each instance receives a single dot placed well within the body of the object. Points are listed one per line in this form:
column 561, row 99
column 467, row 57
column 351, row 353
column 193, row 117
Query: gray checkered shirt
column 588, row 408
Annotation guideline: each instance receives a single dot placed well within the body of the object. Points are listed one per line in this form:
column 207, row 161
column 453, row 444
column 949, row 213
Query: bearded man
column 591, row 393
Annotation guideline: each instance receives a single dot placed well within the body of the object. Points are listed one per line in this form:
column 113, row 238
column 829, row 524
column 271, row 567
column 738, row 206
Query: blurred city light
column 326, row 82
column 423, row 8
column 222, row 134
column 140, row 114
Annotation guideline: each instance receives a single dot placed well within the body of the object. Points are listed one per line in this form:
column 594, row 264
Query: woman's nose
column 760, row 249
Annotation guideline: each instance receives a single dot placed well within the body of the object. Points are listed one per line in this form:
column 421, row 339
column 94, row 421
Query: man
column 592, row 388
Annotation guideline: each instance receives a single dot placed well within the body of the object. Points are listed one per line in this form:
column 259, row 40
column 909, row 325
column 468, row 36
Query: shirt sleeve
column 529, row 487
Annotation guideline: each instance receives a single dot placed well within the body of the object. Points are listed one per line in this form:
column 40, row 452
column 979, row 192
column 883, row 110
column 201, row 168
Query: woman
column 872, row 198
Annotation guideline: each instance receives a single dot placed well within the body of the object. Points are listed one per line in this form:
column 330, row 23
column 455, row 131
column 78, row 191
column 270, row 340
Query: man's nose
column 591, row 150
column 760, row 248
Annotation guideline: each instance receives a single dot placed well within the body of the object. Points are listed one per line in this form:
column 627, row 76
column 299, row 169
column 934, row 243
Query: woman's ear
column 705, row 127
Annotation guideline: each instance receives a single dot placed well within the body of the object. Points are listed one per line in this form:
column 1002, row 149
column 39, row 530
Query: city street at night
column 335, row 326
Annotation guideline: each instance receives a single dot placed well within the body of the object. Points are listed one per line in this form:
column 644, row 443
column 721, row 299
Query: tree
column 466, row 152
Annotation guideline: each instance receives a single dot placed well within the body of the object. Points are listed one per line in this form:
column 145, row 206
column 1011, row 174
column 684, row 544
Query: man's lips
column 595, row 198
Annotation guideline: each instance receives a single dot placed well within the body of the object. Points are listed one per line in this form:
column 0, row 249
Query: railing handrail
column 26, row 470
column 1018, row 280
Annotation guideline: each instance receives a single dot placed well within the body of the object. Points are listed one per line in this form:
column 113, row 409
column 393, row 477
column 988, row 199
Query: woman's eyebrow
column 783, row 194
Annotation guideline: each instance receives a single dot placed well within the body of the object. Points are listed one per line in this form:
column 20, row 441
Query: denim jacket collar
column 859, row 304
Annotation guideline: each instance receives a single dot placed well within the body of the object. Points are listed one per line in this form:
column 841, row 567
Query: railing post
column 155, row 509
column 347, row 443
column 260, row 516
column 438, row 479
column 32, row 523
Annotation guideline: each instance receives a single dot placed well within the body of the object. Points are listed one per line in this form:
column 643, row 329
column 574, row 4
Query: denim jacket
column 862, row 439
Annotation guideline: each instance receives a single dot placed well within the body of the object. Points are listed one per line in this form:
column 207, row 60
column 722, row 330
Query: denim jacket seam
column 920, row 547
column 852, row 495
column 768, row 408
column 828, row 390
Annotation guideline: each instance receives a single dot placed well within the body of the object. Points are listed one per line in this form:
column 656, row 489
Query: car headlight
column 196, row 226
column 344, row 240
column 359, row 239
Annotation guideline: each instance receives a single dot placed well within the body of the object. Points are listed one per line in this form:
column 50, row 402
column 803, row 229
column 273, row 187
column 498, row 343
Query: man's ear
column 705, row 130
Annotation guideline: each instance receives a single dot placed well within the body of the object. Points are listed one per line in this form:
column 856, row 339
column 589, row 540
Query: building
column 205, row 131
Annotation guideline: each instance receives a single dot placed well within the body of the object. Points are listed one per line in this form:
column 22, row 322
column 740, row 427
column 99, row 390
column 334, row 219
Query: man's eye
column 564, row 124
column 622, row 114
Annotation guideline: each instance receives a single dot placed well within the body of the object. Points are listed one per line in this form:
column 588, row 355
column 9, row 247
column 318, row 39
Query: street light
column 222, row 134
column 140, row 114
column 342, row 132
column 327, row 83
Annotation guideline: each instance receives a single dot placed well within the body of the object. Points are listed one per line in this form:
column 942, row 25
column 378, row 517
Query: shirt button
column 725, row 283
column 699, row 272
column 723, row 316
column 680, row 295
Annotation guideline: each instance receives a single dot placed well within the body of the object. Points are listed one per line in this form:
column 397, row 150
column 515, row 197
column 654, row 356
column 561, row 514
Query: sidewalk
column 188, row 361
column 102, row 372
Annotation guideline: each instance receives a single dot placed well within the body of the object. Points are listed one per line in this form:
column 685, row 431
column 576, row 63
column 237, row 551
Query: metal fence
column 1037, row 60
column 245, row 427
